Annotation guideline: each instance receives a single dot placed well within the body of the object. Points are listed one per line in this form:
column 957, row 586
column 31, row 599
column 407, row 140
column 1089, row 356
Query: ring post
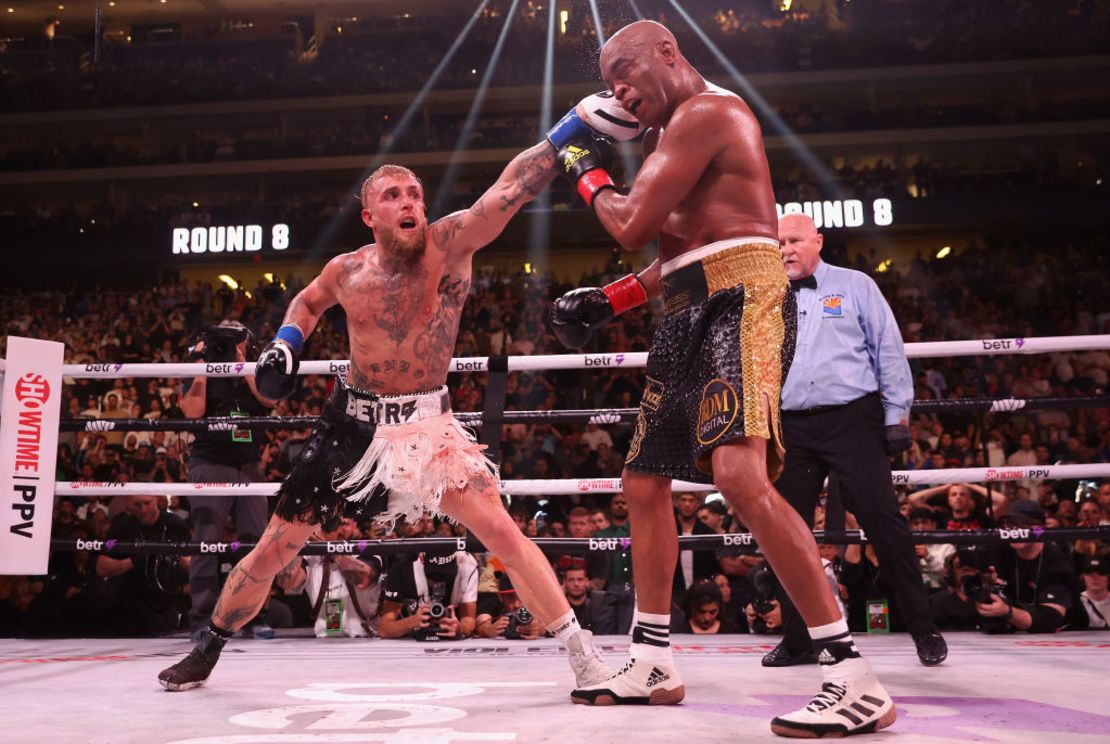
column 28, row 453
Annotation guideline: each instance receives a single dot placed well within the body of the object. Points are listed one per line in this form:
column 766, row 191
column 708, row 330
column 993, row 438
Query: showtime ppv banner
column 28, row 450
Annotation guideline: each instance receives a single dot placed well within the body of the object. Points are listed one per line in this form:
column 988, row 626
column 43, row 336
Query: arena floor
column 295, row 689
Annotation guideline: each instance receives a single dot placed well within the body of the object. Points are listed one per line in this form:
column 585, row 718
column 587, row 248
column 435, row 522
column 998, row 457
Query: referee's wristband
column 291, row 336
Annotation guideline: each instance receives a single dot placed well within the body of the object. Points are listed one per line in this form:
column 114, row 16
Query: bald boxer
column 710, row 409
column 387, row 444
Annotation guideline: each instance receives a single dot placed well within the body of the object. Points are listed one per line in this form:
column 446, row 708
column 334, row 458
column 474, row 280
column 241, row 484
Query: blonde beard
column 405, row 250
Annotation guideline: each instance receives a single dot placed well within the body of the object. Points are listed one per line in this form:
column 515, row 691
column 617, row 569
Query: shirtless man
column 710, row 409
column 387, row 443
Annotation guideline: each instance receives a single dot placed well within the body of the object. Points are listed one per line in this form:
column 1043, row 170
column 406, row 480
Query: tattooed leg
column 480, row 509
column 249, row 583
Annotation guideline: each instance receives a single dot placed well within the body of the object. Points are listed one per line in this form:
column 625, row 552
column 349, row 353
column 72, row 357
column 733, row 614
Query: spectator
column 592, row 608
column 414, row 585
column 618, row 576
column 1095, row 598
column 343, row 590
column 1038, row 579
column 703, row 612
column 960, row 510
column 693, row 565
column 932, row 557
column 141, row 595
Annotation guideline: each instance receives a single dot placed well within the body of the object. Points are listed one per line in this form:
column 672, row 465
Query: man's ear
column 367, row 219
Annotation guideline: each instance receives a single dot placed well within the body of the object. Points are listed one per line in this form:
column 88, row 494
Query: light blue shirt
column 848, row 346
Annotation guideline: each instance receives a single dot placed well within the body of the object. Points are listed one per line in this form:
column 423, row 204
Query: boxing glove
column 585, row 162
column 275, row 373
column 577, row 314
column 598, row 113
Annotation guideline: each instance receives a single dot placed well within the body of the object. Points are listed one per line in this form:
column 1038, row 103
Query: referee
column 845, row 409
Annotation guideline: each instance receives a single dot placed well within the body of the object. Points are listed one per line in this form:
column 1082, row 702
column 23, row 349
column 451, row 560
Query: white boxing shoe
column 640, row 682
column 589, row 668
column 851, row 701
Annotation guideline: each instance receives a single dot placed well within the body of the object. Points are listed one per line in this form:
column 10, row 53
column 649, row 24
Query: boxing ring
column 297, row 688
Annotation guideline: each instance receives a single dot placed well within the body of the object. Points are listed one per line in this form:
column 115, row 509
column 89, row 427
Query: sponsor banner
column 28, row 450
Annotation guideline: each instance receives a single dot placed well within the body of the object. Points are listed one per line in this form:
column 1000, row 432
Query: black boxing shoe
column 782, row 656
column 193, row 670
column 931, row 648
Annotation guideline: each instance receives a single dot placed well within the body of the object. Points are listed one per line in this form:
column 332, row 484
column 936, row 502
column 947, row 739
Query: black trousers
column 846, row 443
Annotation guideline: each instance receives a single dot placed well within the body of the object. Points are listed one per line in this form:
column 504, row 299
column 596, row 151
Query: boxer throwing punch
column 710, row 410
column 387, row 443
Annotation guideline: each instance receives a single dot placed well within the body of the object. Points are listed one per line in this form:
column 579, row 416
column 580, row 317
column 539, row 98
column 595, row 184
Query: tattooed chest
column 404, row 332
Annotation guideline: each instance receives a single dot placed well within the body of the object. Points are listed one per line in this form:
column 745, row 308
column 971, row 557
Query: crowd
column 1005, row 289
column 369, row 58
column 373, row 133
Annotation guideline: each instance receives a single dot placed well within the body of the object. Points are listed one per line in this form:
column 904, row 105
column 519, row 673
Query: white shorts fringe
column 416, row 463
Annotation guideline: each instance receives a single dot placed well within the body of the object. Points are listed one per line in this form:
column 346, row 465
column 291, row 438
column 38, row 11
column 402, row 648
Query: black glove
column 275, row 374
column 585, row 162
column 897, row 439
column 578, row 313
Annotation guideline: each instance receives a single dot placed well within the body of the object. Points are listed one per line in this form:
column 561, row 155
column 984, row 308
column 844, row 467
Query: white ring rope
column 995, row 346
column 565, row 486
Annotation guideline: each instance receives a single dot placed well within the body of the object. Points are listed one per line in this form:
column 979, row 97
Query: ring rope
column 570, row 416
column 583, row 544
column 928, row 349
column 564, row 486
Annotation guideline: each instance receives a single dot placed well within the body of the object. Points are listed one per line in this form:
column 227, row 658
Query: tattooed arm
column 523, row 179
column 306, row 309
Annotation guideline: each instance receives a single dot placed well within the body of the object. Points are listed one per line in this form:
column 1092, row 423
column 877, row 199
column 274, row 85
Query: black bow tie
column 810, row 281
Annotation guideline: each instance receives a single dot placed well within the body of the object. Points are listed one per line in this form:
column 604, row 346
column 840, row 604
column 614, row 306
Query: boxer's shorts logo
column 653, row 395
column 717, row 410
column 637, row 438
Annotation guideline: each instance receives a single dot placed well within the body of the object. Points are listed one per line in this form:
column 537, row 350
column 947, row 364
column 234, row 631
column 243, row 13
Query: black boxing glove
column 577, row 314
column 897, row 439
column 585, row 162
column 275, row 373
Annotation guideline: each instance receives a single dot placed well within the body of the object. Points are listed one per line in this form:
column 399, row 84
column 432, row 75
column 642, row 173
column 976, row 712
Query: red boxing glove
column 625, row 293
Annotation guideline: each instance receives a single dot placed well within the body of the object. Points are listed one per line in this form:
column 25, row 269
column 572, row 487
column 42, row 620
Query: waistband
column 706, row 251
column 827, row 408
column 693, row 277
column 392, row 410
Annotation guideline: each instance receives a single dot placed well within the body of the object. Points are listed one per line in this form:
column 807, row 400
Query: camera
column 765, row 585
column 437, row 610
column 220, row 342
column 980, row 587
column 518, row 617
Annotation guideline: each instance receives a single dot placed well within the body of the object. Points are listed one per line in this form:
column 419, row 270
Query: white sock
column 651, row 637
column 567, row 626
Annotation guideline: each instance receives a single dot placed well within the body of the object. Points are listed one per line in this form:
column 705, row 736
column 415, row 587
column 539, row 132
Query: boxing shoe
column 193, row 670
column 589, row 668
column 931, row 647
column 851, row 701
column 781, row 656
column 640, row 682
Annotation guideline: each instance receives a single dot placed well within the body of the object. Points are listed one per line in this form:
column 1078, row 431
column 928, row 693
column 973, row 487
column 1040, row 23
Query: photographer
column 141, row 595
column 343, row 589
column 222, row 457
column 764, row 614
column 952, row 609
column 430, row 597
column 1031, row 586
column 503, row 614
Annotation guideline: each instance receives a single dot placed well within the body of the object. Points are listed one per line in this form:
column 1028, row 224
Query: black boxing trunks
column 341, row 436
column 717, row 359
